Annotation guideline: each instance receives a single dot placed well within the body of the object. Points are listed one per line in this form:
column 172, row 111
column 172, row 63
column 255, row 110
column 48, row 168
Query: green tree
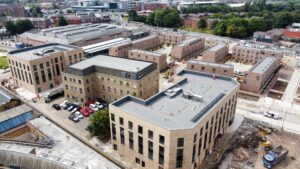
column 69, row 11
column 132, row 15
column 221, row 28
column 99, row 124
column 10, row 27
column 159, row 17
column 283, row 19
column 214, row 24
column 150, row 19
column 202, row 23
column 62, row 21
column 172, row 19
column 23, row 25
column 36, row 11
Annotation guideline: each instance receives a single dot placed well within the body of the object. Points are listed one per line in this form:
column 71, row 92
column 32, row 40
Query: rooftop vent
column 173, row 92
column 190, row 95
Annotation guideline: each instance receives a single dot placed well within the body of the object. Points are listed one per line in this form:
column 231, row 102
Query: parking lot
column 61, row 116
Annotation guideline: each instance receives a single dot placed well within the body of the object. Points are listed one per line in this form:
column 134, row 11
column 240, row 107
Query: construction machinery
column 275, row 156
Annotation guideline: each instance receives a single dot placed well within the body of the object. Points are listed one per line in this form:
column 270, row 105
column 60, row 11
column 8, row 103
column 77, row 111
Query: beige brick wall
column 158, row 58
column 51, row 66
column 171, row 38
column 215, row 55
column 253, row 55
column 107, row 87
column 216, row 120
column 187, row 49
column 218, row 69
column 255, row 82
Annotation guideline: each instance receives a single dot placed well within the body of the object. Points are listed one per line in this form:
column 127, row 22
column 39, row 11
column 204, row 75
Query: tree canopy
column 160, row 17
column 19, row 26
column 202, row 23
column 62, row 21
column 99, row 123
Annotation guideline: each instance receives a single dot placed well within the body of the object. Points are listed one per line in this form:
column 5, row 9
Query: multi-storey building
column 110, row 78
column 190, row 21
column 268, row 37
column 211, row 68
column 175, row 128
column 171, row 37
column 159, row 58
column 78, row 35
column 152, row 6
column 188, row 48
column 12, row 10
column 259, row 76
column 216, row 54
column 38, row 23
column 120, row 50
column 147, row 43
column 253, row 52
column 39, row 68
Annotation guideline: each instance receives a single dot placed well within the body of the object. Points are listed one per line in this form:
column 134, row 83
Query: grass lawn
column 208, row 31
column 3, row 62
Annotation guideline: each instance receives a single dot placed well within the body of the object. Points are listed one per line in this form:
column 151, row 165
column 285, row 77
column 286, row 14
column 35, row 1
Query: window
column 130, row 125
column 194, row 152
column 150, row 134
column 143, row 164
column 150, row 150
column 200, row 145
column 122, row 135
column 179, row 158
column 137, row 160
column 34, row 68
column 180, row 142
column 141, row 147
column 115, row 147
column 195, row 137
column 112, row 117
column 113, row 126
column 161, row 155
column 140, row 129
column 47, row 64
column 79, row 81
column 121, row 120
column 161, row 139
column 130, row 133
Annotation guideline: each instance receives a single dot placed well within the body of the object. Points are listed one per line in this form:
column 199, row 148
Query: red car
column 89, row 109
column 84, row 112
column 90, row 102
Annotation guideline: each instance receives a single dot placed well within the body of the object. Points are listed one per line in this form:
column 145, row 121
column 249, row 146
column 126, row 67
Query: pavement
column 66, row 149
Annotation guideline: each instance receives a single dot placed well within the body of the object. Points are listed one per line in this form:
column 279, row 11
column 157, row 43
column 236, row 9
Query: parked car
column 89, row 110
column 56, row 106
column 71, row 107
column 78, row 114
column 66, row 106
column 73, row 118
column 75, row 109
column 94, row 107
column 273, row 115
column 99, row 105
column 84, row 112
column 90, row 102
column 64, row 103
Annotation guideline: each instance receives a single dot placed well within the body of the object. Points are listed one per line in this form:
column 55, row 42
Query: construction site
column 251, row 145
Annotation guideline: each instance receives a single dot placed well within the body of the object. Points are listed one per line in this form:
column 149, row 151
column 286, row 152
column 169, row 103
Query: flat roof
column 211, row 64
column 111, row 65
column 5, row 96
column 104, row 45
column 148, row 52
column 217, row 47
column 66, row 148
column 74, row 33
column 14, row 112
column 263, row 65
column 37, row 52
column 170, row 110
column 189, row 41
